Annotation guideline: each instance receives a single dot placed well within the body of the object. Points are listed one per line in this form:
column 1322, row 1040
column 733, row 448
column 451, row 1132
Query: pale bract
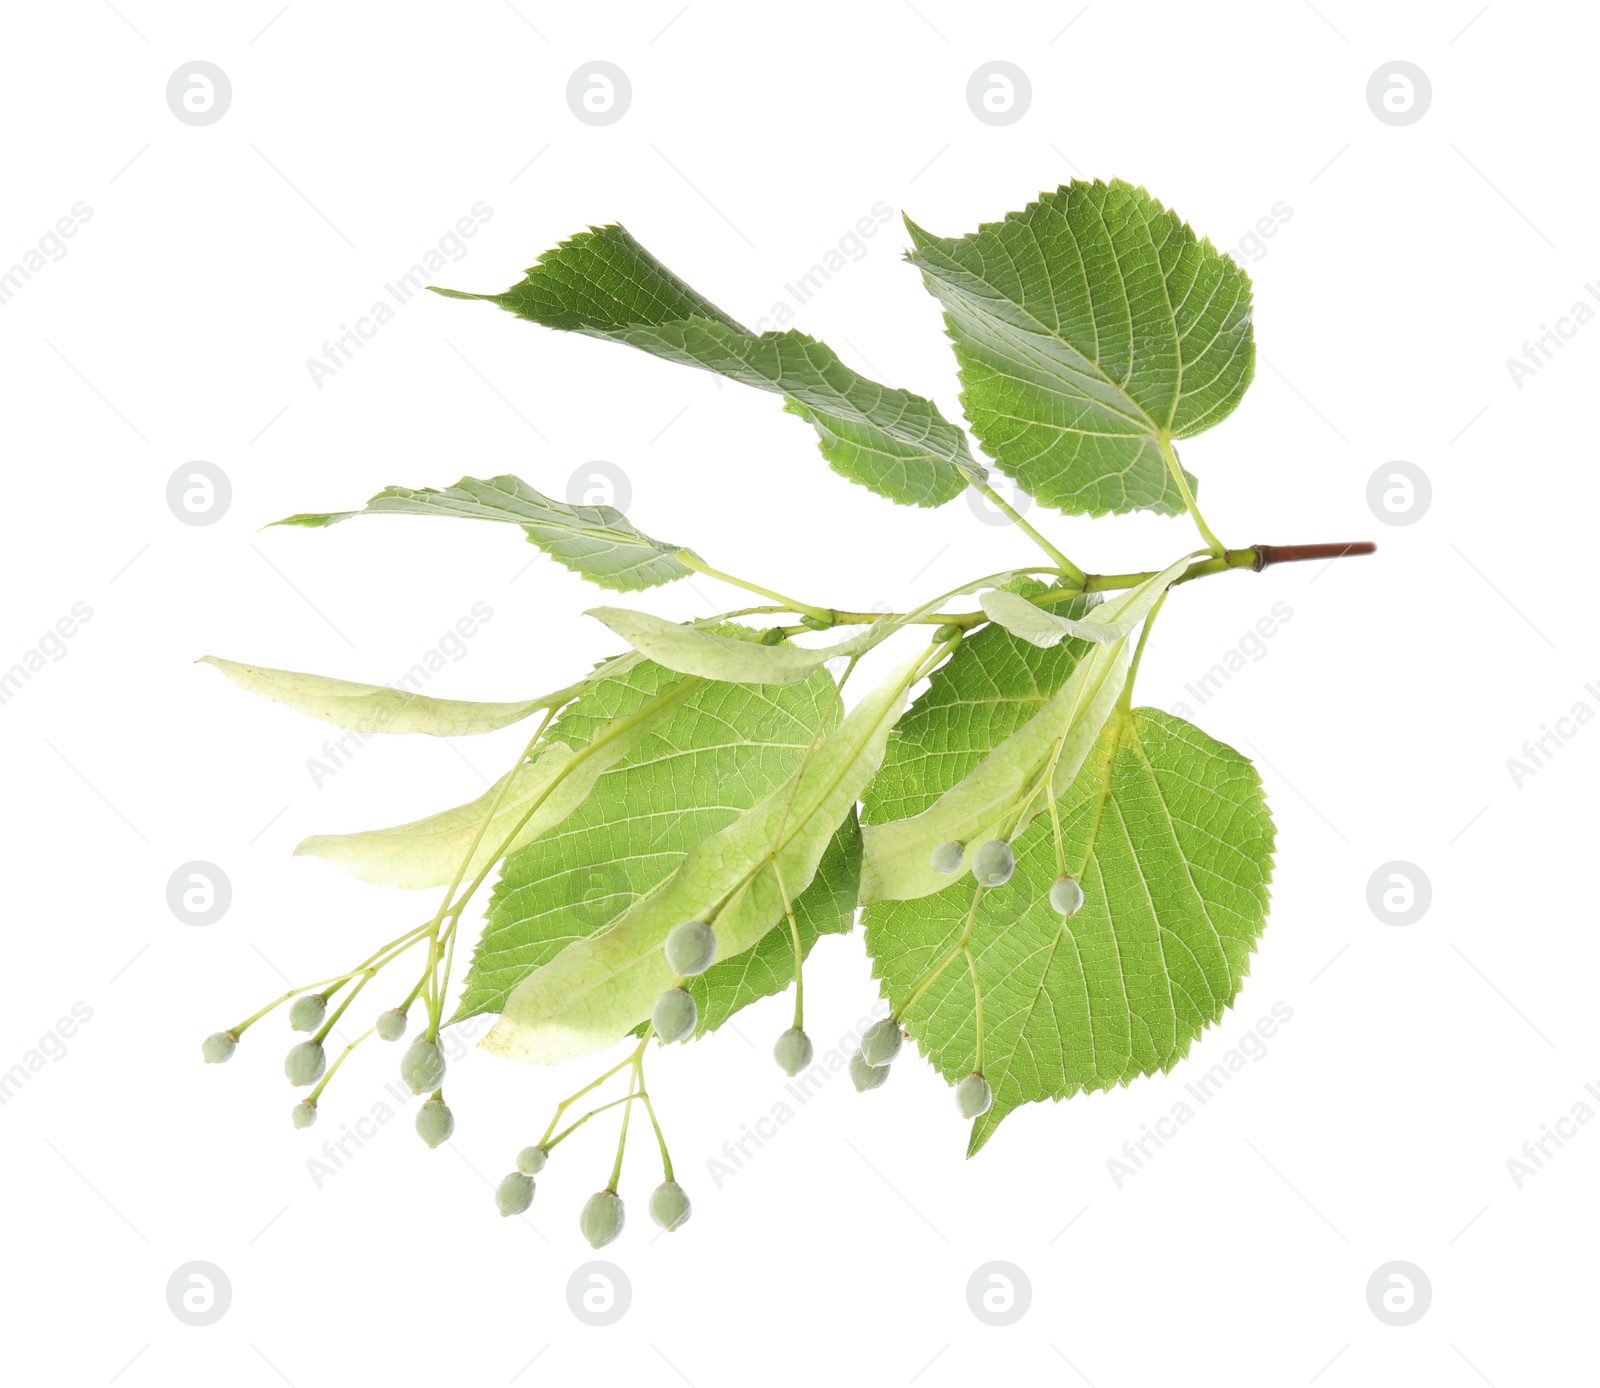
column 596, row 990
column 373, row 708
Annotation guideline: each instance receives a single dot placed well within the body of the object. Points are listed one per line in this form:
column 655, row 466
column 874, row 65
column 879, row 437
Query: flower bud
column 531, row 1160
column 305, row 1063
column 391, row 1025
column 218, row 1047
column 793, row 1051
column 880, row 1043
column 993, row 863
column 601, row 1218
column 435, row 1122
column 673, row 1016
column 1066, row 895
column 947, row 857
column 690, row 948
column 304, row 1114
column 422, row 1066
column 973, row 1096
column 865, row 1076
column 514, row 1194
column 669, row 1205
column 307, row 1011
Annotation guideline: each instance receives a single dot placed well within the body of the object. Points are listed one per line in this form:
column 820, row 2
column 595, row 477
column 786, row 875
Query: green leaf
column 604, row 284
column 826, row 907
column 1089, row 328
column 1053, row 743
column 373, row 708
column 724, row 749
column 598, row 542
column 596, row 990
column 1040, row 627
column 1169, row 833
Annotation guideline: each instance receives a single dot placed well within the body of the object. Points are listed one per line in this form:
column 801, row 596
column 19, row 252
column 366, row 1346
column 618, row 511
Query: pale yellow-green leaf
column 692, row 651
column 1040, row 627
column 374, row 708
column 427, row 852
column 598, row 989
column 895, row 865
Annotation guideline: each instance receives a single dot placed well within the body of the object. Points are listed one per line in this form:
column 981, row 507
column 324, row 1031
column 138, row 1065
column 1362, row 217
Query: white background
column 177, row 327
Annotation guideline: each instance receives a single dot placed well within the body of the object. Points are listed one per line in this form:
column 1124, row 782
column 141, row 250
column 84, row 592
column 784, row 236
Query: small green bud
column 948, row 857
column 880, row 1043
column 305, row 1063
column 948, row 632
column 531, row 1160
column 391, row 1025
column 1066, row 895
column 973, row 1096
column 669, row 1205
column 307, row 1011
column 514, row 1194
column 865, row 1076
column 772, row 636
column 690, row 948
column 304, row 1113
column 817, row 623
column 218, row 1047
column 435, row 1122
column 793, row 1051
column 993, row 863
column 673, row 1016
column 601, row 1218
column 422, row 1066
